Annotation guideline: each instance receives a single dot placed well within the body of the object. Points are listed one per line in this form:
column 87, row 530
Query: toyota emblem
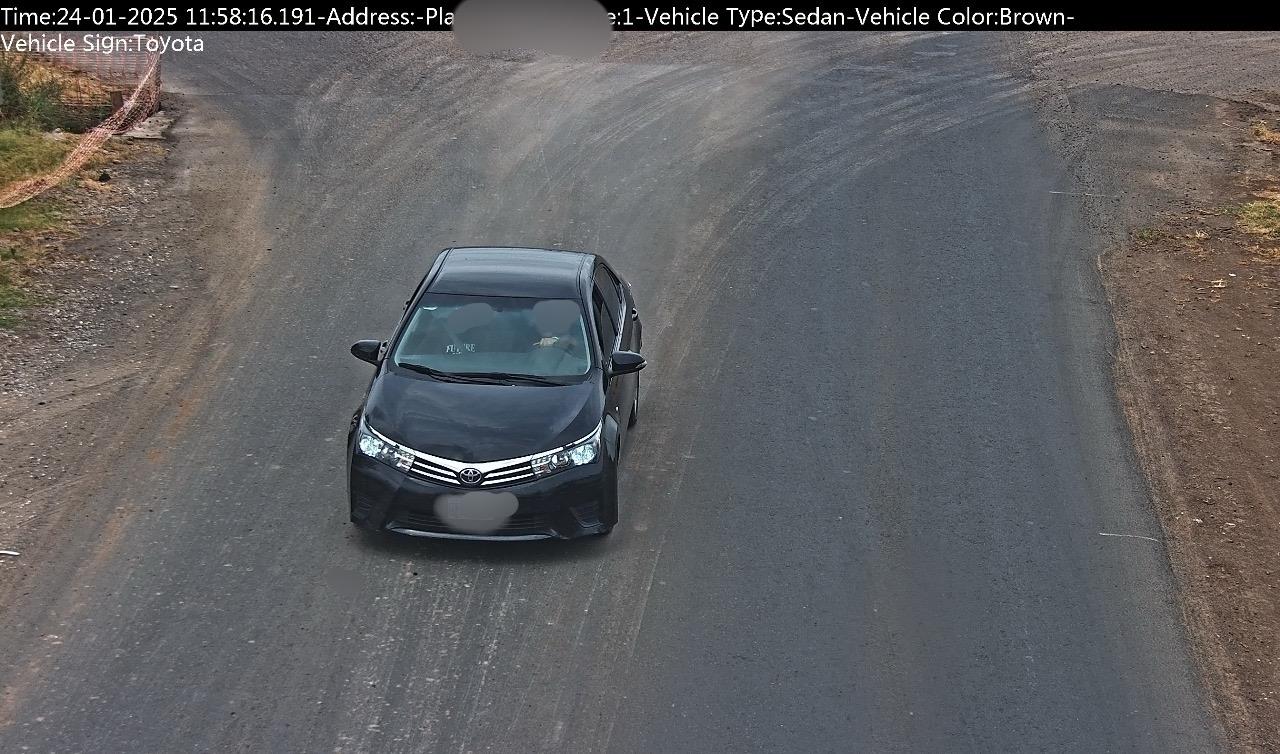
column 470, row 477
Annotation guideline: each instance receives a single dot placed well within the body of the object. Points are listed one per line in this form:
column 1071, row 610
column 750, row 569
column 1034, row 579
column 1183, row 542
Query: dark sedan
column 502, row 400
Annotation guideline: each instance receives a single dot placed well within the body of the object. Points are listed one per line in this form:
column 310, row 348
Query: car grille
column 495, row 477
column 519, row 524
column 446, row 470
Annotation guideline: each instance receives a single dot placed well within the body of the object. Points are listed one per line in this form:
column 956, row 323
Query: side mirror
column 367, row 350
column 625, row 362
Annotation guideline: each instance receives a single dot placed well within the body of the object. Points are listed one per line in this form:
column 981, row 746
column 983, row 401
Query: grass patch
column 1264, row 132
column 20, row 227
column 41, row 95
column 32, row 215
column 12, row 300
column 33, row 99
column 24, row 154
column 31, row 93
column 12, row 297
column 1261, row 217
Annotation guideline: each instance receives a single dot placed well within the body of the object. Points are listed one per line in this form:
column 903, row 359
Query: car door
column 605, row 311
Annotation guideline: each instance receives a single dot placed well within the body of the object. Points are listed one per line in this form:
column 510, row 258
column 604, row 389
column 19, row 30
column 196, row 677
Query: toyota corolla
column 501, row 402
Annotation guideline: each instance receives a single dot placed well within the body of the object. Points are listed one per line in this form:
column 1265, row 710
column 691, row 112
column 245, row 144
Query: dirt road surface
column 882, row 497
column 1164, row 131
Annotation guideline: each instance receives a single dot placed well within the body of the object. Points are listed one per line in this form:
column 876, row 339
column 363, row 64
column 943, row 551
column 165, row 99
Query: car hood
column 475, row 423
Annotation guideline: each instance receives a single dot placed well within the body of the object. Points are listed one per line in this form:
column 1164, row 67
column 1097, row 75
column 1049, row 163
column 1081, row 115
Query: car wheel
column 635, row 406
column 370, row 536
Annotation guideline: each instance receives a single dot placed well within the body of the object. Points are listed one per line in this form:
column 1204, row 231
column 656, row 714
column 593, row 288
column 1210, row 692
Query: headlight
column 579, row 453
column 382, row 450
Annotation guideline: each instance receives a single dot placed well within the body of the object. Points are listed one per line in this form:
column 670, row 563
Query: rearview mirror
column 625, row 362
column 367, row 350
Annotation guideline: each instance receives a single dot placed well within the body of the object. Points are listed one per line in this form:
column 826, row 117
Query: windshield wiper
column 517, row 377
column 449, row 376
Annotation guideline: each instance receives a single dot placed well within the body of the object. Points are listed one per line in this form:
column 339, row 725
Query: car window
column 608, row 287
column 617, row 286
column 470, row 334
column 605, row 326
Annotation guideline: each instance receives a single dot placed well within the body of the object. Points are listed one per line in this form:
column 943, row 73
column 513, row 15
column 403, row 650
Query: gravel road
column 871, row 502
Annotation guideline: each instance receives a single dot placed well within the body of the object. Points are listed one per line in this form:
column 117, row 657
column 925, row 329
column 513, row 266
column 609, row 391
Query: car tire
column 370, row 536
column 635, row 406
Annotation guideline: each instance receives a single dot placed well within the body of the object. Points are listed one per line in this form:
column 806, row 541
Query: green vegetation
column 25, row 153
column 36, row 214
column 12, row 298
column 18, row 251
column 31, row 102
column 1262, row 216
column 30, row 94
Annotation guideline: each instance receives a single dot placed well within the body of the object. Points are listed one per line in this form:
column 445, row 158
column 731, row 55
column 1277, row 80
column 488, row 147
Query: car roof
column 511, row 271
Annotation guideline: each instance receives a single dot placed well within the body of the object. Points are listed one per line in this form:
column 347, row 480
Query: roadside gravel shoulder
column 125, row 295
column 1162, row 132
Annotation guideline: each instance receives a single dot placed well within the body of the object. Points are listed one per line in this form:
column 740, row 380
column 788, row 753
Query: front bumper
column 573, row 503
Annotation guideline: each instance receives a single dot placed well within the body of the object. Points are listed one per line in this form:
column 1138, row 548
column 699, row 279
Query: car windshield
column 458, row 334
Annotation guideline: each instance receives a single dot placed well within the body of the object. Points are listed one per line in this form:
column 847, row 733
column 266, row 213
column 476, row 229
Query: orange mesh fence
column 128, row 81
